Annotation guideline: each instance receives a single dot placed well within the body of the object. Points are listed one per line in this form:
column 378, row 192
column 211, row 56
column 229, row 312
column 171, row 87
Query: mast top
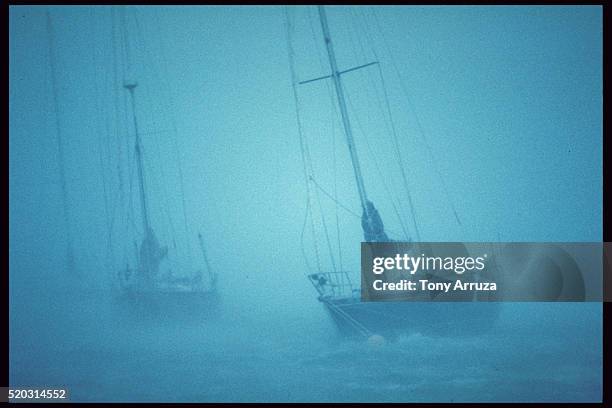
column 130, row 85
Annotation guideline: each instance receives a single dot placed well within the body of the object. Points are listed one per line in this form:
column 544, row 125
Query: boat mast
column 60, row 148
column 131, row 87
column 335, row 75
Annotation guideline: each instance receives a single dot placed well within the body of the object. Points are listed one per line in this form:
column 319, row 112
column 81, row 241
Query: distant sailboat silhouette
column 148, row 283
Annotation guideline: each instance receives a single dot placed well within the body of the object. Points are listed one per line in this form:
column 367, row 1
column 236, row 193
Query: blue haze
column 508, row 98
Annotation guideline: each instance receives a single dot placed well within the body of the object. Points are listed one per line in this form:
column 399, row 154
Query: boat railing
column 334, row 283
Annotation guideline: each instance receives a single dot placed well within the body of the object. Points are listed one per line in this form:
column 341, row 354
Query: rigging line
column 131, row 157
column 302, row 140
column 355, row 33
column 334, row 113
column 131, row 168
column 103, row 54
column 321, row 212
column 399, row 157
column 125, row 43
column 157, row 132
column 417, row 119
column 132, row 211
column 173, row 124
column 335, row 172
column 158, row 78
column 127, row 211
column 115, row 84
column 355, row 19
column 315, row 40
column 110, row 134
column 324, row 223
column 310, row 174
column 331, row 197
column 161, row 185
column 126, row 120
column 321, row 59
column 130, row 72
column 60, row 146
column 129, row 160
column 108, row 145
column 107, row 167
column 124, row 58
column 112, row 229
column 317, row 197
column 187, row 247
column 309, row 202
column 345, row 208
column 99, row 136
column 376, row 165
column 159, row 181
column 327, row 238
column 371, row 81
column 391, row 128
column 322, row 65
column 352, row 34
column 302, row 245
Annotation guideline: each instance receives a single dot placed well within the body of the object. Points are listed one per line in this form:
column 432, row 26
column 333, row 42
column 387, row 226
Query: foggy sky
column 509, row 99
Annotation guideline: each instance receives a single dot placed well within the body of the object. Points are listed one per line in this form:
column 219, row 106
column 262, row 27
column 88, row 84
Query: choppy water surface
column 537, row 352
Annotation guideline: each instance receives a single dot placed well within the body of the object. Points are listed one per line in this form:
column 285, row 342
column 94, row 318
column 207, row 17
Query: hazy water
column 246, row 355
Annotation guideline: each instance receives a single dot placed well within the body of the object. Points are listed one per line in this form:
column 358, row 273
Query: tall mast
column 131, row 87
column 60, row 149
column 335, row 75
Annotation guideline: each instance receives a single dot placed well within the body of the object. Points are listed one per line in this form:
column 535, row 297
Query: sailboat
column 147, row 281
column 340, row 296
